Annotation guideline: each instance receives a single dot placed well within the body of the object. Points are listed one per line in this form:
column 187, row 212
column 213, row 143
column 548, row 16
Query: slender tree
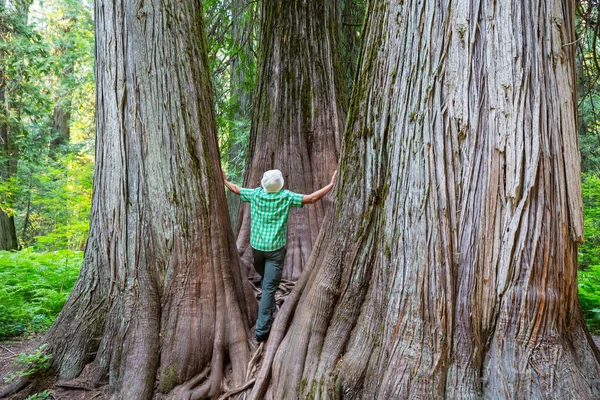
column 8, row 150
column 448, row 267
column 298, row 114
column 161, row 294
column 352, row 15
column 8, row 234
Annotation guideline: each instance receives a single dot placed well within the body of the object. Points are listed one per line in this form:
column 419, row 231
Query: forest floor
column 78, row 389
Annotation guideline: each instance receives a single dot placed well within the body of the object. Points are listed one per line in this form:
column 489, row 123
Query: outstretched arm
column 319, row 194
column 231, row 186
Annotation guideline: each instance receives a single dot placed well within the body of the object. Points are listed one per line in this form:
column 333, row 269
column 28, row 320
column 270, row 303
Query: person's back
column 268, row 215
column 269, row 207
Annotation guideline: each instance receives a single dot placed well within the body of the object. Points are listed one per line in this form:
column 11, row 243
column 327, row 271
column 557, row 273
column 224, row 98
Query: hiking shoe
column 260, row 339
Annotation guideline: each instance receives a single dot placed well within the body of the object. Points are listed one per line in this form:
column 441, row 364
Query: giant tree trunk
column 161, row 293
column 448, row 268
column 298, row 114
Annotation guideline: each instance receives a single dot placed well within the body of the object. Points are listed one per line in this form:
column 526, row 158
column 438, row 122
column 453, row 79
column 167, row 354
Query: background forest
column 47, row 96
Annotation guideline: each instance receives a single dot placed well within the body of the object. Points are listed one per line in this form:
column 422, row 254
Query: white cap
column 272, row 181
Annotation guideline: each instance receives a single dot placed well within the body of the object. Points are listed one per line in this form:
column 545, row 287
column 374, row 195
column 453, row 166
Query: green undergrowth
column 588, row 276
column 33, row 288
column 589, row 297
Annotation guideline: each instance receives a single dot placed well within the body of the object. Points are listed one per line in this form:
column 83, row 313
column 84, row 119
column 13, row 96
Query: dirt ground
column 77, row 389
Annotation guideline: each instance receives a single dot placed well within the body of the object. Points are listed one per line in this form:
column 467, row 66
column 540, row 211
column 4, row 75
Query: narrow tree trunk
column 161, row 293
column 61, row 114
column 8, row 232
column 448, row 268
column 298, row 114
column 352, row 16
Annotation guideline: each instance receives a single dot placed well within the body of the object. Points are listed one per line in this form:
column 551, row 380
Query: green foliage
column 31, row 364
column 232, row 37
column 46, row 70
column 34, row 287
column 589, row 253
column 589, row 296
column 588, row 84
column 40, row 396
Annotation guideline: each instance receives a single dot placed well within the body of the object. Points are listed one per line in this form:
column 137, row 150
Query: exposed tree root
column 285, row 288
column 71, row 386
column 189, row 391
column 238, row 390
column 16, row 386
column 200, row 386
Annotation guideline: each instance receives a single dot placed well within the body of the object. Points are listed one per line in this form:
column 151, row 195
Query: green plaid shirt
column 268, row 216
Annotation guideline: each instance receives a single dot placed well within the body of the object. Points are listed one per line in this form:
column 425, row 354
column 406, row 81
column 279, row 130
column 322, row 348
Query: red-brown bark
column 298, row 115
column 447, row 267
column 161, row 294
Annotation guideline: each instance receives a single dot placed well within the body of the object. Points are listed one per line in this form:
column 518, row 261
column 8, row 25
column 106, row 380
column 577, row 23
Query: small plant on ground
column 40, row 396
column 31, row 364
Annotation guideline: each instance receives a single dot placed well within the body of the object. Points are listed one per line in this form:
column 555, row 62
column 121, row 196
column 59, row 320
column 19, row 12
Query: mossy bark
column 448, row 268
column 298, row 115
column 161, row 294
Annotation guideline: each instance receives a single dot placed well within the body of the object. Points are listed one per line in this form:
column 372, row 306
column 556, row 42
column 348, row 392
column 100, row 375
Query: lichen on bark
column 447, row 268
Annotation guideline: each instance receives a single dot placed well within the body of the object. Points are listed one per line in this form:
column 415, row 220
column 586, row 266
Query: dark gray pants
column 269, row 265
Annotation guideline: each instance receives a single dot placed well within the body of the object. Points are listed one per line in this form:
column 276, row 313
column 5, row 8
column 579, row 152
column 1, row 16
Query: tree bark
column 298, row 115
column 352, row 17
column 8, row 232
column 161, row 294
column 61, row 114
column 448, row 265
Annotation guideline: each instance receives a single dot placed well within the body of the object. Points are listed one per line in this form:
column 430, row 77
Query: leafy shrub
column 40, row 396
column 589, row 253
column 589, row 296
column 31, row 364
column 34, row 287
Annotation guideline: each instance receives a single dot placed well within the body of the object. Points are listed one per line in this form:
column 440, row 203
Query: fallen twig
column 71, row 386
column 7, row 349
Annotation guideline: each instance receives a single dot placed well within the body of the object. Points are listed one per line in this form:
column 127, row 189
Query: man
column 269, row 207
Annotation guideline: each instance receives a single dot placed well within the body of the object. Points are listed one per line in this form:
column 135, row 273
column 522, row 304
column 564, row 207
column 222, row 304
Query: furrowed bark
column 8, row 232
column 450, row 260
column 161, row 294
column 298, row 115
